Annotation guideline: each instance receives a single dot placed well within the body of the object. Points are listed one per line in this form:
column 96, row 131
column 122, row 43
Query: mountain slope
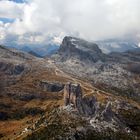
column 113, row 72
column 14, row 54
column 34, row 54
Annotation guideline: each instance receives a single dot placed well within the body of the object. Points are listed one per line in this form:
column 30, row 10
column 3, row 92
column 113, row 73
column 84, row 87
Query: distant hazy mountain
column 38, row 50
column 106, row 46
column 34, row 54
column 41, row 50
column 116, row 45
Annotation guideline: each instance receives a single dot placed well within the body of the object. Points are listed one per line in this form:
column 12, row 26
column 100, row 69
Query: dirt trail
column 84, row 85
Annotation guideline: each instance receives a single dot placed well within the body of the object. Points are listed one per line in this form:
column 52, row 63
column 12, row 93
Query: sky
column 48, row 21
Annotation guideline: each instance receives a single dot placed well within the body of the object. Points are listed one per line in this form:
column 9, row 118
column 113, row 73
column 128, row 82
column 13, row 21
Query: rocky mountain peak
column 69, row 42
column 76, row 48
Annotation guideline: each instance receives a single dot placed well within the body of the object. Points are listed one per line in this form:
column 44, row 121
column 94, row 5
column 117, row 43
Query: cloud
column 40, row 20
column 10, row 9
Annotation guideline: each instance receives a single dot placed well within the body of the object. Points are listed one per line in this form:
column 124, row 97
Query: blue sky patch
column 19, row 1
column 7, row 20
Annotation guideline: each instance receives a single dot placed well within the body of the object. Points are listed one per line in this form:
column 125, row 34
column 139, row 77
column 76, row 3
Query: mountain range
column 117, row 45
column 107, row 46
column 37, row 50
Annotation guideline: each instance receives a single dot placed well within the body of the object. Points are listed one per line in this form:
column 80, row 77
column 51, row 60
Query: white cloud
column 89, row 19
column 10, row 9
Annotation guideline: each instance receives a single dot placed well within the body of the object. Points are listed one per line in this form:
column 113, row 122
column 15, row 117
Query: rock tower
column 71, row 93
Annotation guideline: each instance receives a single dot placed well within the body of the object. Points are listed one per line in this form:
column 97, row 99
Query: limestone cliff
column 73, row 96
column 75, row 48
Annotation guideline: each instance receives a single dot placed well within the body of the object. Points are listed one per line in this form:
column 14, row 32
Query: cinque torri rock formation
column 89, row 107
column 72, row 92
column 73, row 96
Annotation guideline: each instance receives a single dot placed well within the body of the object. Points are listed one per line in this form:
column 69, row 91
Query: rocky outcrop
column 11, row 69
column 73, row 96
column 72, row 92
column 101, row 117
column 86, row 106
column 107, row 114
column 51, row 86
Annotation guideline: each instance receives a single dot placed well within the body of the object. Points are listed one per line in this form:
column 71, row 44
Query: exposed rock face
column 72, row 92
column 86, row 106
column 77, row 48
column 73, row 96
column 51, row 86
column 107, row 114
column 82, row 44
column 11, row 69
column 105, row 118
column 101, row 117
